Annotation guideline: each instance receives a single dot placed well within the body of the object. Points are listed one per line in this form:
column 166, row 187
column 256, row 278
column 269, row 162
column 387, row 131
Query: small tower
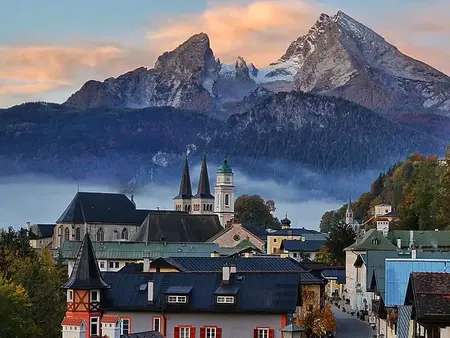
column 111, row 326
column 84, row 291
column 203, row 201
column 286, row 223
column 224, row 191
column 349, row 214
column 182, row 202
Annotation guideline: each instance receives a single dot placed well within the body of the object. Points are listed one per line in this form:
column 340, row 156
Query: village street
column 351, row 327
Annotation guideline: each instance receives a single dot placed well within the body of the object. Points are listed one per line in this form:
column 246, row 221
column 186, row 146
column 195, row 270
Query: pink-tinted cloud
column 259, row 31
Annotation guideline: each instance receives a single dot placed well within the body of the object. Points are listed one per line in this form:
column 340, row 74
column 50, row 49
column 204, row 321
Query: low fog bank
column 42, row 199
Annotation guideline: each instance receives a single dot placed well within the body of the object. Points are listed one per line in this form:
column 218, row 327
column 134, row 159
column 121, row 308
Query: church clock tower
column 224, row 193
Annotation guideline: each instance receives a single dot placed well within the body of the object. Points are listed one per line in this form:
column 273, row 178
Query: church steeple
column 203, row 190
column 86, row 274
column 349, row 213
column 182, row 202
column 185, row 185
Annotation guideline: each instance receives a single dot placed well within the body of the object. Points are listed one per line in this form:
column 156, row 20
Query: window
column 100, row 235
column 111, row 265
column 125, row 326
column 177, row 299
column 78, row 234
column 185, row 332
column 116, row 265
column 263, row 333
column 124, row 234
column 211, row 332
column 95, row 296
column 225, row 299
column 69, row 295
column 94, row 326
column 227, row 200
column 102, row 265
column 116, row 235
column 156, row 324
column 66, row 234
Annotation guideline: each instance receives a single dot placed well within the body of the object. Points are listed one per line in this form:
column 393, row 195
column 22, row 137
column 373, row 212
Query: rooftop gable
column 372, row 240
column 96, row 207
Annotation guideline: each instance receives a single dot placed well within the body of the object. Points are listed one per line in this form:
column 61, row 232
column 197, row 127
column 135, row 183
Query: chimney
column 399, row 242
column 233, row 269
column 411, row 238
column 215, row 254
column 414, row 254
column 248, row 254
column 150, row 291
column 146, row 267
column 225, row 275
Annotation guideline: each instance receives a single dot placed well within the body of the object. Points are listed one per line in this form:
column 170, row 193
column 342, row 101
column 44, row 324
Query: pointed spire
column 185, row 186
column 349, row 206
column 203, row 190
column 86, row 274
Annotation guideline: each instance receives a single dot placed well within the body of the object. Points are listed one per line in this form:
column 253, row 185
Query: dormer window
column 70, row 295
column 95, row 296
column 177, row 299
column 225, row 299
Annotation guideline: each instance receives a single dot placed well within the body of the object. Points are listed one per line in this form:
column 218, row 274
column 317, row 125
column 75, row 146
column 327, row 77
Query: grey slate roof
column 245, row 265
column 39, row 231
column 177, row 226
column 258, row 293
column 203, row 189
column 338, row 273
column 95, row 207
column 185, row 185
column 86, row 274
column 146, row 334
column 307, row 245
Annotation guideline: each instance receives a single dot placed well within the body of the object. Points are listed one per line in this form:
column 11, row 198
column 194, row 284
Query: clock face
column 227, row 179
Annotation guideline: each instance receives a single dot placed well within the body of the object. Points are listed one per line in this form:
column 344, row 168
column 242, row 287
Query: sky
column 48, row 48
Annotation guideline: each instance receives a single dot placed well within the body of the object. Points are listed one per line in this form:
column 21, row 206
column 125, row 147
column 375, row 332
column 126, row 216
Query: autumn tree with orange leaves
column 317, row 323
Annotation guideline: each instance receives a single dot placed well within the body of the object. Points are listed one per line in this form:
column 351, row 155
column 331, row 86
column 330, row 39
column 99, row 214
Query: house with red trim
column 216, row 304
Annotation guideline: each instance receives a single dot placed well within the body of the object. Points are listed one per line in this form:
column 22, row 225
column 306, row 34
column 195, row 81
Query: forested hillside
column 418, row 189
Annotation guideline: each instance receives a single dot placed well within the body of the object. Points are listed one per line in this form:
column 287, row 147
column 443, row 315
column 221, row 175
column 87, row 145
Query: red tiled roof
column 109, row 319
column 73, row 321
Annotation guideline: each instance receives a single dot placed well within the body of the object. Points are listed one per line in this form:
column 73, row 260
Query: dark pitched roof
column 335, row 273
column 39, row 231
column 298, row 245
column 260, row 232
column 257, row 293
column 307, row 233
column 146, row 334
column 86, row 274
column 429, row 293
column 95, row 207
column 256, row 264
column 177, row 227
column 185, row 185
column 203, row 189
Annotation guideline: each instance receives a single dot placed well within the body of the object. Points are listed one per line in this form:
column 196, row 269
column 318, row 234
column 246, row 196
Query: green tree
column 42, row 280
column 15, row 310
column 323, row 256
column 254, row 211
column 339, row 238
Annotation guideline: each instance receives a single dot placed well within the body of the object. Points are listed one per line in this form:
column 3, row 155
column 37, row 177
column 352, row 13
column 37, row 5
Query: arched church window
column 124, row 233
column 78, row 234
column 227, row 200
column 116, row 235
column 189, row 208
column 66, row 234
column 185, row 208
column 100, row 235
column 204, row 207
column 210, row 207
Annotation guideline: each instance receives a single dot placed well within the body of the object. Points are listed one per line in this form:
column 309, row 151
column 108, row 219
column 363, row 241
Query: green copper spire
column 225, row 168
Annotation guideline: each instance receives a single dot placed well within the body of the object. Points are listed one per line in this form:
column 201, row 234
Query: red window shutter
column 192, row 332
column 176, row 332
column 255, row 333
column 218, row 332
column 271, row 333
column 202, row 332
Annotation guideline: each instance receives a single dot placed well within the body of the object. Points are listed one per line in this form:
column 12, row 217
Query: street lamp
column 291, row 331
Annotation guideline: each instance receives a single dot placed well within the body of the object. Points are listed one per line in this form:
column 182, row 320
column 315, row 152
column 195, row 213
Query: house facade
column 228, row 303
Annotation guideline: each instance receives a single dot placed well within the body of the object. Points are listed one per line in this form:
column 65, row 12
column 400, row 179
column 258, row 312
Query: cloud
column 39, row 69
column 260, row 31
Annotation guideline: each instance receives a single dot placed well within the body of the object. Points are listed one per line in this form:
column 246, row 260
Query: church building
column 203, row 202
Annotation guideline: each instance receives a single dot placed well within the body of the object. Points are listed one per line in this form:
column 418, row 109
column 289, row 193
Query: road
column 351, row 327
